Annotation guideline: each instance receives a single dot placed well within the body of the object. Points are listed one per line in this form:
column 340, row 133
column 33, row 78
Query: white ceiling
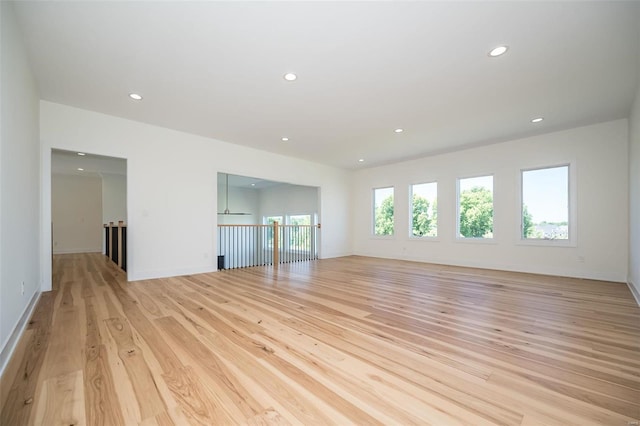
column 68, row 163
column 248, row 182
column 364, row 68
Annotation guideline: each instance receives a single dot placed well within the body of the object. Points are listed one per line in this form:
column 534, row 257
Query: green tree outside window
column 476, row 213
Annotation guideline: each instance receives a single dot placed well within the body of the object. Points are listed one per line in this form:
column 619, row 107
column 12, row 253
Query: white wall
column 288, row 200
column 114, row 197
column 19, row 185
column 599, row 153
column 634, row 198
column 241, row 200
column 271, row 201
column 172, row 190
column 76, row 212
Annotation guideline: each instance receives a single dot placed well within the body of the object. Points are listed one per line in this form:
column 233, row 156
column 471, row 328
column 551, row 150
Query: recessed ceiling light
column 135, row 96
column 361, row 160
column 290, row 76
column 285, row 139
column 253, row 184
column 537, row 120
column 399, row 130
column 80, row 169
column 82, row 154
column 497, row 51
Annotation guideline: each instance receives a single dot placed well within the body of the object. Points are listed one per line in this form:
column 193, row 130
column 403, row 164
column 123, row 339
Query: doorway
column 88, row 192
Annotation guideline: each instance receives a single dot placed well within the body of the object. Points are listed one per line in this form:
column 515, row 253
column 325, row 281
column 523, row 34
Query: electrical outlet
column 22, row 288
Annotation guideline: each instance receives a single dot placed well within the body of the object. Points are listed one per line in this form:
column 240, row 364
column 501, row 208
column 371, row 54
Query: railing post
column 107, row 240
column 111, row 248
column 120, row 225
column 276, row 249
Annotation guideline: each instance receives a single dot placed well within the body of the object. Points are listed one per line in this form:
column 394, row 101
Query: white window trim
column 475, row 240
column 573, row 211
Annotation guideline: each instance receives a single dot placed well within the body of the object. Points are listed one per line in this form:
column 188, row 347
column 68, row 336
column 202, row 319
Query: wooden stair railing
column 116, row 243
column 242, row 246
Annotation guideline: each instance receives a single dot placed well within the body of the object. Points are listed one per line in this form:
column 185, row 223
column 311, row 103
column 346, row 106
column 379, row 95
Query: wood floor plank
column 19, row 400
column 331, row 335
column 253, row 316
column 448, row 383
column 264, row 375
column 186, row 388
column 351, row 340
column 102, row 406
column 61, row 402
column 162, row 419
column 12, row 369
column 125, row 391
column 145, row 388
column 266, row 418
column 246, row 344
column 228, row 389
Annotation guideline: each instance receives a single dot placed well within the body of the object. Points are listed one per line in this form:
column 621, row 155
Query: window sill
column 382, row 237
column 476, row 240
column 547, row 243
column 429, row 239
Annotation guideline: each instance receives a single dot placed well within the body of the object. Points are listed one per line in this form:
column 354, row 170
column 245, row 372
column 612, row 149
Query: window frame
column 373, row 213
column 572, row 241
column 475, row 240
column 268, row 237
column 423, row 237
column 287, row 242
column 309, row 215
column 286, row 220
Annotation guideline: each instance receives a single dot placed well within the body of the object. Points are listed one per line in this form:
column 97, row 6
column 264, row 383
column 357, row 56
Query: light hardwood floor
column 339, row 341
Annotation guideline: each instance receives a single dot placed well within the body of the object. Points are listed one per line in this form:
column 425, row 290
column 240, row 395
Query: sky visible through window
column 545, row 192
column 483, row 181
column 381, row 194
column 428, row 191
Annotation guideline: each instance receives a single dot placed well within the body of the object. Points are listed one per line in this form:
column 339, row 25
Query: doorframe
column 46, row 219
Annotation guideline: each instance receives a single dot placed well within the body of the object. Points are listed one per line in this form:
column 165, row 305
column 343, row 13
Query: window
column 545, row 203
column 424, row 210
column 299, row 234
column 475, row 207
column 300, row 219
column 383, row 211
column 270, row 220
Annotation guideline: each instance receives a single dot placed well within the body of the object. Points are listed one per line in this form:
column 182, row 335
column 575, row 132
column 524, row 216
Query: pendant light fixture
column 227, row 212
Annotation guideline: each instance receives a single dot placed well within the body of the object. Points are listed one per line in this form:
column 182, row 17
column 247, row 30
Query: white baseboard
column 18, row 331
column 78, row 250
column 528, row 269
column 164, row 273
column 634, row 291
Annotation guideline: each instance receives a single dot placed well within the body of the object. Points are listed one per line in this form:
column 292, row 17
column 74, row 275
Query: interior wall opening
column 89, row 204
column 249, row 208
